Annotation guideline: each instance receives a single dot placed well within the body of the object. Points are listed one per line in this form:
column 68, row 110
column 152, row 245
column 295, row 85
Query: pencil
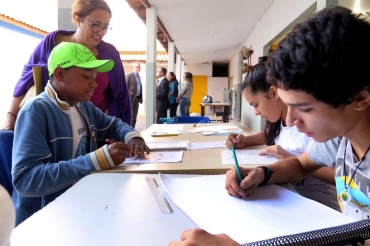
column 237, row 165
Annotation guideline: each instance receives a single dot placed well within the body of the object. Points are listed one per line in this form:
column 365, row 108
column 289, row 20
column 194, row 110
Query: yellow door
column 199, row 91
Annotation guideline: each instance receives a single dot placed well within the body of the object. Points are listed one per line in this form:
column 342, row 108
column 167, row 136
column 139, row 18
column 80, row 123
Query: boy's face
column 76, row 84
column 315, row 118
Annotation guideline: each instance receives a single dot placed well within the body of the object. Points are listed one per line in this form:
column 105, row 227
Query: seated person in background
column 283, row 141
column 55, row 141
column 311, row 65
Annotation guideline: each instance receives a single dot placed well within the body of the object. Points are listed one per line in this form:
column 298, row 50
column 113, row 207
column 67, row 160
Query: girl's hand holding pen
column 252, row 178
column 235, row 140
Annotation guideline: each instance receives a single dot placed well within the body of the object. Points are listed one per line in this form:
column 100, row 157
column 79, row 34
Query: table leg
column 201, row 110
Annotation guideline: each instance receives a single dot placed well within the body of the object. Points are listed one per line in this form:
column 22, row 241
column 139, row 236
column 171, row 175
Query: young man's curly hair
column 323, row 54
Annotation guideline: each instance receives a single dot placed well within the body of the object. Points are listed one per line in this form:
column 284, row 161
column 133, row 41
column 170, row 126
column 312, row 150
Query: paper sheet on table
column 271, row 211
column 221, row 132
column 167, row 127
column 208, row 145
column 247, row 156
column 154, row 157
column 212, row 128
column 168, row 145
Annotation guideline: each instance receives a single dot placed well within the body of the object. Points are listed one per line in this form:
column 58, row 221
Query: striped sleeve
column 101, row 158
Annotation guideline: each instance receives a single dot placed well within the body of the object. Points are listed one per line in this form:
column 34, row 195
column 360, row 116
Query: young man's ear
column 58, row 73
column 362, row 100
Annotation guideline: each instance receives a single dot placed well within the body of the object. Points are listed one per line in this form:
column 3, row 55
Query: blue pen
column 237, row 165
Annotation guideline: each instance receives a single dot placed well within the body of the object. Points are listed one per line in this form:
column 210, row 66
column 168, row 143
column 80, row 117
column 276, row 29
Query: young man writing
column 327, row 91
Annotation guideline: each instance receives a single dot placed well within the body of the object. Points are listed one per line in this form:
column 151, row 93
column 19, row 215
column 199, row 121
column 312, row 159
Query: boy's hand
column 198, row 237
column 119, row 152
column 139, row 147
column 253, row 177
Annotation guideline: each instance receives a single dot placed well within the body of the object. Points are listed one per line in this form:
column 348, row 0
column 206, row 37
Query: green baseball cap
column 68, row 54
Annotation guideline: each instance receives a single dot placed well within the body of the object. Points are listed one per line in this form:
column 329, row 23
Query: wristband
column 12, row 114
column 268, row 174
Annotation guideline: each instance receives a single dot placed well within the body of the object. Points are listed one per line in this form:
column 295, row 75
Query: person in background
column 57, row 133
column 283, row 141
column 184, row 97
column 305, row 66
column 162, row 89
column 174, row 92
column 135, row 90
column 92, row 21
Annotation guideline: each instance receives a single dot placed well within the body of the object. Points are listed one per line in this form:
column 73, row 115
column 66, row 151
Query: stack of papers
column 162, row 133
column 219, row 130
column 169, row 145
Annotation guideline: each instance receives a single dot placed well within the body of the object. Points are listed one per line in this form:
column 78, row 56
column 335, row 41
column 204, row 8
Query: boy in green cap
column 56, row 133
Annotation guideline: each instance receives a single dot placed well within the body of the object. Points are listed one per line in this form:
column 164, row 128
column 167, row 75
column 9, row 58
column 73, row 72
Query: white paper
column 271, row 211
column 212, row 128
column 167, row 145
column 247, row 156
column 155, row 157
column 207, row 145
column 167, row 127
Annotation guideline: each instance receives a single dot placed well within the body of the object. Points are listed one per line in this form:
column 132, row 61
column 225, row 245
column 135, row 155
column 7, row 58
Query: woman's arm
column 12, row 113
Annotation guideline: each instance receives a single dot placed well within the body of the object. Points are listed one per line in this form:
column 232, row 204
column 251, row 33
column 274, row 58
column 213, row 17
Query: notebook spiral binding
column 348, row 234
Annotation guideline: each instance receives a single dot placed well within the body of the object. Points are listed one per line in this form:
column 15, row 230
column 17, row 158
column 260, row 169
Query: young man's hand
column 199, row 237
column 119, row 152
column 252, row 178
column 139, row 147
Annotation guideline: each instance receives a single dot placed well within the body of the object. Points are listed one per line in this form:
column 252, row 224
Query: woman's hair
column 255, row 81
column 173, row 75
column 83, row 8
column 188, row 76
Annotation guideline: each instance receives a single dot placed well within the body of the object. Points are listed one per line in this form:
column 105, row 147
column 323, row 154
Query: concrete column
column 325, row 3
column 178, row 68
column 171, row 56
column 64, row 15
column 151, row 64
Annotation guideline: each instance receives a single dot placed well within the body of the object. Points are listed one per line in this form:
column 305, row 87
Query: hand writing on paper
column 237, row 139
column 252, row 178
column 277, row 151
column 139, row 147
column 199, row 237
column 119, row 152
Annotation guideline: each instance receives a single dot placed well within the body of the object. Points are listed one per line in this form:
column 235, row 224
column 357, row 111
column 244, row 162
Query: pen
column 236, row 165
column 109, row 141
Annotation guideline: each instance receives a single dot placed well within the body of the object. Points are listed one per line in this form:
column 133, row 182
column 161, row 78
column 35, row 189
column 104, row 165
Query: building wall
column 17, row 45
column 277, row 20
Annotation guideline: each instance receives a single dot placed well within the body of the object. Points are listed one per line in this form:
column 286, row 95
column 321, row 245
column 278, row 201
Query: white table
column 104, row 209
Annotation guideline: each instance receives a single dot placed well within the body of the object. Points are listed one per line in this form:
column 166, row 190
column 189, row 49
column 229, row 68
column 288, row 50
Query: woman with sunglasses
column 92, row 21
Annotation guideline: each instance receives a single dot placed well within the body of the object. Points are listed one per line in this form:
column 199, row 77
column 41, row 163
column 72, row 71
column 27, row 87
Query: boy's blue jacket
column 43, row 164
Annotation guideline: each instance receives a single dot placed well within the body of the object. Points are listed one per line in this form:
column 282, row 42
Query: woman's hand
column 237, row 140
column 277, row 151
